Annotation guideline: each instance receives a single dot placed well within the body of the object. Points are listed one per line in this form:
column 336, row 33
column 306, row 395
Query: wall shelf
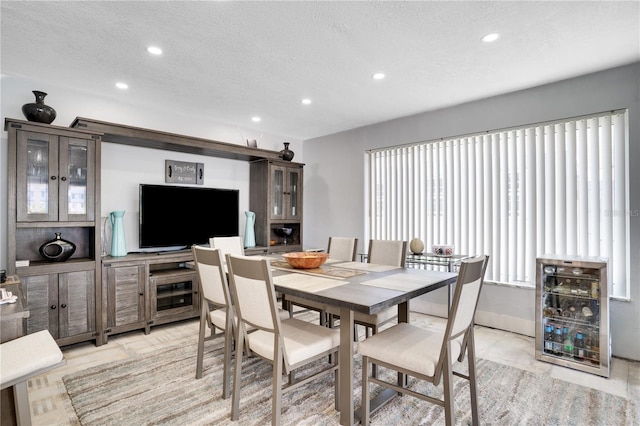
column 146, row 138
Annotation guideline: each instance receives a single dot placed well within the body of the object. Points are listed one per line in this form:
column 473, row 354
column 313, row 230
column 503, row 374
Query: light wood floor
column 50, row 404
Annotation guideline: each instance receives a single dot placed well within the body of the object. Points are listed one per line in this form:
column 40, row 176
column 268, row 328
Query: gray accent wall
column 334, row 182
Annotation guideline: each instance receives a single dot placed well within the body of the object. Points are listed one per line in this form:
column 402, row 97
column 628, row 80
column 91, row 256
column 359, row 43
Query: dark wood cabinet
column 62, row 303
column 124, row 298
column 276, row 199
column 53, row 187
column 144, row 290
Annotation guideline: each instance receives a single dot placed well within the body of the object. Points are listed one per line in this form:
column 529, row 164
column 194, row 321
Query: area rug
column 161, row 389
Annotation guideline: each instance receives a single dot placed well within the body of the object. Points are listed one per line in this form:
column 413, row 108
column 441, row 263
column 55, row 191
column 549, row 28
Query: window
column 515, row 194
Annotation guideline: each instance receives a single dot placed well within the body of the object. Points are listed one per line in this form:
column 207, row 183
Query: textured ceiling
column 228, row 61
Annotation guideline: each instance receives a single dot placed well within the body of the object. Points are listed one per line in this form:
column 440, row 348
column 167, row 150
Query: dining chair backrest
column 342, row 248
column 387, row 252
column 463, row 307
column 253, row 292
column 228, row 245
column 211, row 275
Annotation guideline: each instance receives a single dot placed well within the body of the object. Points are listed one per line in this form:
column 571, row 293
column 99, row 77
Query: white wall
column 334, row 172
column 125, row 167
column 334, row 182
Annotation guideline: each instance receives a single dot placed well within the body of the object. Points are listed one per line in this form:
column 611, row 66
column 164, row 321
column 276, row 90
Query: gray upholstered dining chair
column 216, row 310
column 339, row 248
column 429, row 355
column 286, row 344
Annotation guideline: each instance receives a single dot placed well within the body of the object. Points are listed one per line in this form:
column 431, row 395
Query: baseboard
column 484, row 318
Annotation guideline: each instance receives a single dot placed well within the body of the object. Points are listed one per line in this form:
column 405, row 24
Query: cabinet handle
column 63, row 178
column 53, row 306
column 54, row 177
column 63, row 306
column 141, row 294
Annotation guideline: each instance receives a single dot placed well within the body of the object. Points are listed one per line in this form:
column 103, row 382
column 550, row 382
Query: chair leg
column 447, row 382
column 323, row 318
column 365, row 405
column 337, row 380
column 473, row 389
column 332, row 321
column 203, row 324
column 374, row 368
column 226, row 380
column 277, row 387
column 21, row 401
column 235, row 398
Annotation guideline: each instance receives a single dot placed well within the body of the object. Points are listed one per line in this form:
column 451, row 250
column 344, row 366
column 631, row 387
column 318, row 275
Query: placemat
column 400, row 282
column 367, row 267
column 307, row 282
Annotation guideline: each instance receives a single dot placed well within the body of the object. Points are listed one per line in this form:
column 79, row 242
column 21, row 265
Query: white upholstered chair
column 387, row 252
column 286, row 344
column 22, row 359
column 339, row 248
column 429, row 355
column 228, row 245
column 343, row 248
column 382, row 252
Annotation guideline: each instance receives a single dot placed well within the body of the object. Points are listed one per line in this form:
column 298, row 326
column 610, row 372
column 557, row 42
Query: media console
column 144, row 290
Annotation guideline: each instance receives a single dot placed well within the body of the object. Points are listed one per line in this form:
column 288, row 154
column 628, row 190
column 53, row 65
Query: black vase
column 287, row 154
column 38, row 111
column 57, row 250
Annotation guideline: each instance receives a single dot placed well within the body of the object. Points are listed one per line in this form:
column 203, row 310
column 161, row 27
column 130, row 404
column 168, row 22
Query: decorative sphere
column 416, row 246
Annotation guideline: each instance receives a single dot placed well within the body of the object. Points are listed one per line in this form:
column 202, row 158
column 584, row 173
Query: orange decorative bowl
column 305, row 260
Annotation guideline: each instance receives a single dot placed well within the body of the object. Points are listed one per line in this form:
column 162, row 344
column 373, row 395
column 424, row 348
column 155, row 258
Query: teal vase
column 118, row 244
column 249, row 232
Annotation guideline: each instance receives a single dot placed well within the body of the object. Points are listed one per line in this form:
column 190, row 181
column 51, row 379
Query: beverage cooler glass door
column 572, row 313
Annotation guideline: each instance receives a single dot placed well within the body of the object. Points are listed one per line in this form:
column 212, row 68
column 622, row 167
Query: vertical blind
column 515, row 194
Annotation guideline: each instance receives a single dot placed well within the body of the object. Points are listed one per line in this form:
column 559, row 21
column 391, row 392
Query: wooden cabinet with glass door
column 53, row 192
column 276, row 199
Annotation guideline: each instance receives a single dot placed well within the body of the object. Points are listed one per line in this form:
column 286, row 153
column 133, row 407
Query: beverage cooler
column 572, row 313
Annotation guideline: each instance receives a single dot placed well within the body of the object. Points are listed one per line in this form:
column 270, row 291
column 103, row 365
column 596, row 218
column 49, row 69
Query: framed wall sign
column 183, row 172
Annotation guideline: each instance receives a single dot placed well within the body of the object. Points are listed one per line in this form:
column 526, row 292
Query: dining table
column 354, row 287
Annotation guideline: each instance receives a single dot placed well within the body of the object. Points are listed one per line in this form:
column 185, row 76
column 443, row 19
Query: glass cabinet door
column 37, row 177
column 293, row 194
column 285, row 193
column 55, row 177
column 76, row 179
column 277, row 192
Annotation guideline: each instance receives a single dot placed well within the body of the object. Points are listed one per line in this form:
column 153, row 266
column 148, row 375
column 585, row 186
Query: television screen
column 183, row 216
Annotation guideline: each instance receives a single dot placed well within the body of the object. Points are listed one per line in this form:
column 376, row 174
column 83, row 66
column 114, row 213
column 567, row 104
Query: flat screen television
column 178, row 216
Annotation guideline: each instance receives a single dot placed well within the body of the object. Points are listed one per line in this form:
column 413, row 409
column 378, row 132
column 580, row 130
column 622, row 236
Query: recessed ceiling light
column 255, row 119
column 306, row 101
column 154, row 50
column 378, row 76
column 122, row 86
column 490, row 37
